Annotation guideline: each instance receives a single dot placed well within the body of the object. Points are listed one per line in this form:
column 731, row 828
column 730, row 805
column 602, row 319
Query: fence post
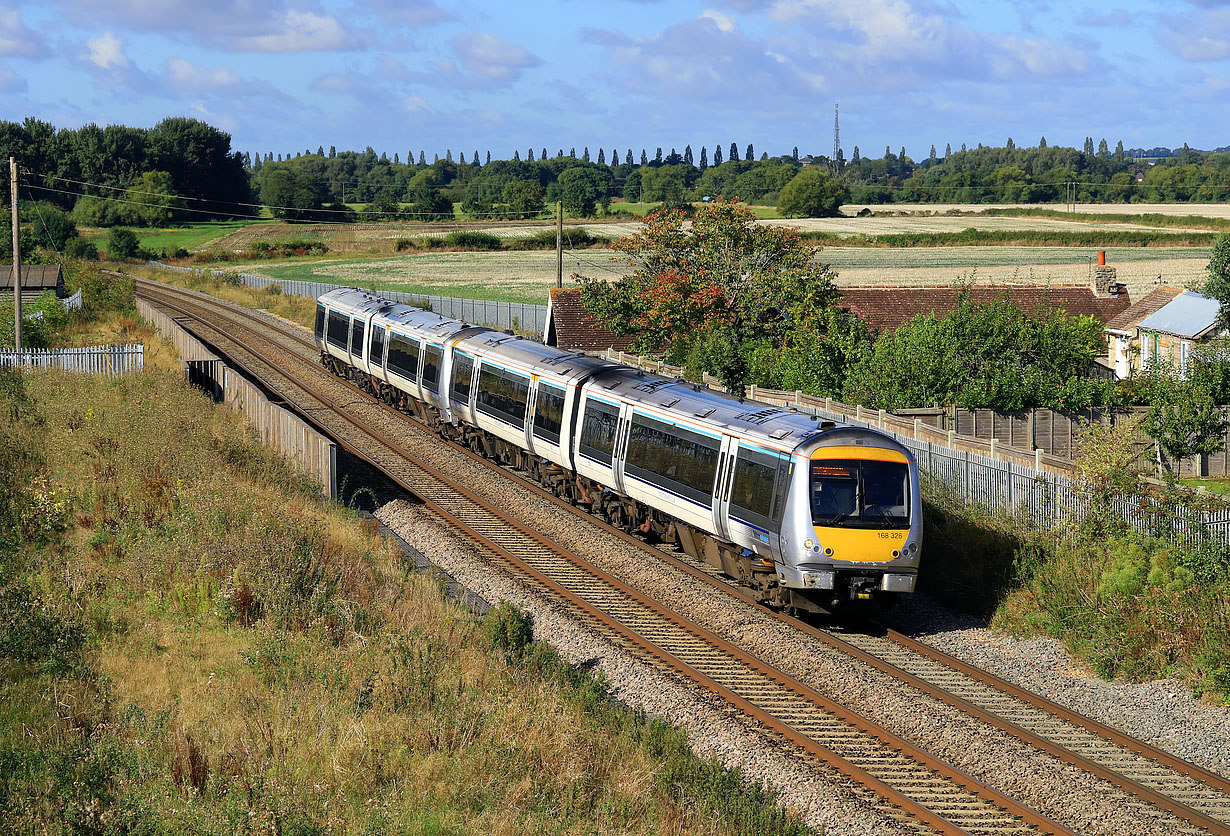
column 752, row 392
column 1038, row 459
column 798, row 397
column 994, row 446
column 880, row 419
column 917, row 427
column 952, row 439
column 858, row 411
column 828, row 405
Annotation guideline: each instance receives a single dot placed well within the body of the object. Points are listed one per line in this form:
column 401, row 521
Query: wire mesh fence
column 516, row 316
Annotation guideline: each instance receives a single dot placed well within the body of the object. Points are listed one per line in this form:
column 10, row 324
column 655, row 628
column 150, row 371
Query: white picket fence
column 105, row 360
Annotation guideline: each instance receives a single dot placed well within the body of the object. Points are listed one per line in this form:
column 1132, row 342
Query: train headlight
column 808, row 543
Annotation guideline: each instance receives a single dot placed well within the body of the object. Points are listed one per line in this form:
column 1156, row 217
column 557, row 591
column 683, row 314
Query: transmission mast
column 836, row 137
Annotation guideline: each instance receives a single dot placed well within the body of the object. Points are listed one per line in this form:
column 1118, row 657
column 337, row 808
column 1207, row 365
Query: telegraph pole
column 16, row 257
column 559, row 243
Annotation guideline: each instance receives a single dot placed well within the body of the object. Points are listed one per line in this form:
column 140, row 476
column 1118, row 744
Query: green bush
column 122, row 243
column 81, row 248
column 473, row 239
column 507, row 628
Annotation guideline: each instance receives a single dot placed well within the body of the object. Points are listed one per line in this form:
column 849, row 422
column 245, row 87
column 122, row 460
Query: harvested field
column 894, row 224
column 527, row 276
column 1207, row 210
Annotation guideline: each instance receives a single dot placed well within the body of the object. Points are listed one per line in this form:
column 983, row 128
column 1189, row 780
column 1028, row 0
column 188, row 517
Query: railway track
column 929, row 792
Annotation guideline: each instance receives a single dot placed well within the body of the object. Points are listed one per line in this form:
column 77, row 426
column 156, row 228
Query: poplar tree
column 585, row 154
column 628, row 157
column 794, row 155
column 657, row 157
column 529, row 154
column 750, row 155
column 856, row 158
column 644, row 157
column 687, row 155
column 734, row 153
column 601, row 157
column 704, row 158
column 948, row 150
column 717, row 155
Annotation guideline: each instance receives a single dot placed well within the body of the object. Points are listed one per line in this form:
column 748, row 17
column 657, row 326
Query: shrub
column 81, row 248
column 474, row 239
column 507, row 628
column 122, row 243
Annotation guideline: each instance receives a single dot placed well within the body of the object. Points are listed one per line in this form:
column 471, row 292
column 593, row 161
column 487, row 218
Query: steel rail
column 898, row 798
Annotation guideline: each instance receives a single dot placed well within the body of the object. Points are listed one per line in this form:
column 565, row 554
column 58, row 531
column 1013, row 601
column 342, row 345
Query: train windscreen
column 860, row 493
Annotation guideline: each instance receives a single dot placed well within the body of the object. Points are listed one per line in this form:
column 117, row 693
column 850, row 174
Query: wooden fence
column 278, row 427
column 104, row 360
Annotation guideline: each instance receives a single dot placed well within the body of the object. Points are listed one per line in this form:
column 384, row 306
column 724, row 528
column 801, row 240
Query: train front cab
column 856, row 529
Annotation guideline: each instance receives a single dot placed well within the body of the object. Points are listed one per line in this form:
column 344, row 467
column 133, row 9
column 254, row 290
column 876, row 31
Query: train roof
column 533, row 357
column 678, row 398
column 421, row 322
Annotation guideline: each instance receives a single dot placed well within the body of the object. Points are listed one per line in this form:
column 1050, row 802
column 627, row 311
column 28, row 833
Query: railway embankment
column 192, row 640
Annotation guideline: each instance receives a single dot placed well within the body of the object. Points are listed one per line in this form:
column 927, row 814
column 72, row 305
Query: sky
column 287, row 76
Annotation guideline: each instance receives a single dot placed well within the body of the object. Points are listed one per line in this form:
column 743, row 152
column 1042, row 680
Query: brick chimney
column 1104, row 283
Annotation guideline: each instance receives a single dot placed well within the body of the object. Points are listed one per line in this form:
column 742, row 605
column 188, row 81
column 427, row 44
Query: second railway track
column 939, row 796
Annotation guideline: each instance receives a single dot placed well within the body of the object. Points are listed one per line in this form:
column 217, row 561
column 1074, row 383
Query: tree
column 51, row 227
column 794, row 155
column 947, row 150
column 855, row 159
column 333, row 152
column 813, row 194
column 1010, row 144
column 580, row 189
column 291, row 192
column 524, row 197
column 687, row 154
column 601, row 156
column 749, row 155
column 1042, row 143
column 1089, row 145
column 931, row 158
column 122, row 243
column 628, row 157
column 1119, row 152
column 644, row 157
column 585, row 154
column 717, row 155
column 1217, row 285
column 714, row 291
column 734, row 153
column 152, row 200
column 1182, row 419
column 704, row 158
column 1103, row 149
column 529, row 155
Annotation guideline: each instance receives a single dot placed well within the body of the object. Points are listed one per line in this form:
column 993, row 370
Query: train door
column 721, row 486
column 357, row 329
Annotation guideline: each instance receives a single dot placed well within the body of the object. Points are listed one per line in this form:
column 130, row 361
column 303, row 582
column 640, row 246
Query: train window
column 758, row 493
column 860, row 493
column 375, row 352
column 320, row 321
column 338, row 329
column 356, row 338
column 672, row 457
column 403, row 356
column 549, row 412
column 432, row 355
column 598, row 430
column 463, row 374
column 503, row 394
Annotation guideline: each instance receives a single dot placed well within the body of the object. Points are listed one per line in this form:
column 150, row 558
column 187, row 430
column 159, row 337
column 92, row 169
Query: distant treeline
column 184, row 169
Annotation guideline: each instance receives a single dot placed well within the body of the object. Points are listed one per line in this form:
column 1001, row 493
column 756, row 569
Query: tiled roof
column 570, row 326
column 888, row 308
column 46, row 276
column 1140, row 311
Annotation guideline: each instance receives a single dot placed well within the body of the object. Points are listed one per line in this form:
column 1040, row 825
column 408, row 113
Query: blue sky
column 285, row 76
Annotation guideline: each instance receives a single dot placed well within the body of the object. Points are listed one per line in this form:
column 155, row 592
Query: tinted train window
column 598, row 431
column 503, row 394
column 431, row 367
column 549, row 412
column 376, row 350
column 356, row 338
column 403, row 356
column 463, row 373
column 860, row 493
column 673, row 458
column 759, row 491
column 339, row 326
column 320, row 321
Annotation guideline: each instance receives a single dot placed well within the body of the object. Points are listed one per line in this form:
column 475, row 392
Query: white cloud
column 492, row 58
column 302, row 32
column 723, row 22
column 107, row 52
column 18, row 40
column 10, row 81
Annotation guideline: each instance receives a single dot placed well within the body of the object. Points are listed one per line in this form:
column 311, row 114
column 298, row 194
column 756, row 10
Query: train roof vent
column 670, row 403
column 780, row 434
column 759, row 416
column 706, row 413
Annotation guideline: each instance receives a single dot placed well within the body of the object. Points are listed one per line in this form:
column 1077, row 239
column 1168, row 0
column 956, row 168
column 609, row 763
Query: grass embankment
column 1130, row 605
column 298, row 309
column 194, row 643
column 1147, row 218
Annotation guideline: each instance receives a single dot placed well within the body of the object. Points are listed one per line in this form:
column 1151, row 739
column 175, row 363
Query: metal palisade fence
column 1001, row 480
column 105, row 360
column 518, row 316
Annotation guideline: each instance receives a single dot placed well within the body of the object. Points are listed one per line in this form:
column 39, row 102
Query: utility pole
column 16, row 257
column 559, row 242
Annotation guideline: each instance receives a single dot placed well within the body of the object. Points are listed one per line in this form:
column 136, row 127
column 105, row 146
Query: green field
column 642, row 209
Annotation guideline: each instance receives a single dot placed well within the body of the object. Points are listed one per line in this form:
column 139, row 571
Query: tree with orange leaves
column 715, row 288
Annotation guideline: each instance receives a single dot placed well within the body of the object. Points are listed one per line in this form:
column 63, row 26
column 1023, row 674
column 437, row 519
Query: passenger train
column 810, row 514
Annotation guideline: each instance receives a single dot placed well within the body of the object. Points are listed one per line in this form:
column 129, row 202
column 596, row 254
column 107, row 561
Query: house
column 1122, row 339
column 35, row 280
column 570, row 326
column 886, row 309
column 1167, row 336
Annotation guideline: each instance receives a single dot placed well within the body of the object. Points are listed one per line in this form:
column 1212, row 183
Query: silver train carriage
column 809, row 513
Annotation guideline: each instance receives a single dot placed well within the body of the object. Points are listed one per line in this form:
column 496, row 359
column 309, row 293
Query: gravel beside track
column 1161, row 712
column 820, row 796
